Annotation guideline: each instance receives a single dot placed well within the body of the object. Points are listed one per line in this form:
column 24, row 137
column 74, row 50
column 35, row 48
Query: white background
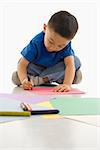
column 21, row 20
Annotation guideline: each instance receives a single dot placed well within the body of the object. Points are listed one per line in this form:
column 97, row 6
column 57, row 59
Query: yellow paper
column 48, row 105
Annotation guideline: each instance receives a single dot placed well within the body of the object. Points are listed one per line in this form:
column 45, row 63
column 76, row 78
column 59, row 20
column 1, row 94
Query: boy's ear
column 44, row 27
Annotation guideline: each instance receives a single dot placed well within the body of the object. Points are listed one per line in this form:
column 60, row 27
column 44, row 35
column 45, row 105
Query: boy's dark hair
column 64, row 24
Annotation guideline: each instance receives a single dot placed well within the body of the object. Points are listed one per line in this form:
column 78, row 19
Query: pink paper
column 49, row 91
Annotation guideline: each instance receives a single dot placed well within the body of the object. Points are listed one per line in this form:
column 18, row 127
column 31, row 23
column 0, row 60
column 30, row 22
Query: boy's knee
column 77, row 62
column 78, row 77
column 15, row 78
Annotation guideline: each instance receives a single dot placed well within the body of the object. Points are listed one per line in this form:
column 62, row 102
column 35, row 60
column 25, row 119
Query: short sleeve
column 30, row 51
column 68, row 51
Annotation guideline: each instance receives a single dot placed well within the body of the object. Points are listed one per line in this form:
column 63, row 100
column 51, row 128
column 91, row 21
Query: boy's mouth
column 49, row 50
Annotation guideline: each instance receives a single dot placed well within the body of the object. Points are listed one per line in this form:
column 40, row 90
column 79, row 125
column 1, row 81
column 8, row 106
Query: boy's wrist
column 24, row 80
column 69, row 84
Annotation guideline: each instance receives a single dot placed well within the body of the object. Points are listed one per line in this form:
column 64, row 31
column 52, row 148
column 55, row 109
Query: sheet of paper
column 77, row 106
column 49, row 91
column 49, row 106
column 9, row 105
column 27, row 99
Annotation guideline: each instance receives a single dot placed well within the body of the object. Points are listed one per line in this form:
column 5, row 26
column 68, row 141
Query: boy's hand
column 27, row 85
column 62, row 88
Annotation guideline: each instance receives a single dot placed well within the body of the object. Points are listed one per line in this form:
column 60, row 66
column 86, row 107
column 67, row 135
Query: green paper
column 77, row 106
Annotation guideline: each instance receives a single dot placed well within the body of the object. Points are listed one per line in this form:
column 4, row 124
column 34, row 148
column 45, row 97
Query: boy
column 49, row 56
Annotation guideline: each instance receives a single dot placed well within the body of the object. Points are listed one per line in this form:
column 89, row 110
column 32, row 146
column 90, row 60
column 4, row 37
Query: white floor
column 40, row 133
column 49, row 134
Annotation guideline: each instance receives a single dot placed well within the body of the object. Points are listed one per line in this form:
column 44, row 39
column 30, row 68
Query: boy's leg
column 42, row 75
column 15, row 78
column 78, row 77
column 32, row 71
column 56, row 73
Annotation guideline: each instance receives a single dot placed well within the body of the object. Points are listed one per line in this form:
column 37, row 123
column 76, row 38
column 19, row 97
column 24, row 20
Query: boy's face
column 53, row 41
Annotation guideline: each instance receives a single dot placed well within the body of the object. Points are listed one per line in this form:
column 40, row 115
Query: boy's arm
column 69, row 70
column 21, row 68
column 69, row 75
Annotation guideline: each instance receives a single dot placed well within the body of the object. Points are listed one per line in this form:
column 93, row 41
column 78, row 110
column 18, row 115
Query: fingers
column 27, row 85
column 32, row 82
column 62, row 88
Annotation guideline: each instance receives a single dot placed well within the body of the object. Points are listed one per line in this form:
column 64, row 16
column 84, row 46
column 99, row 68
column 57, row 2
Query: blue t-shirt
column 36, row 52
